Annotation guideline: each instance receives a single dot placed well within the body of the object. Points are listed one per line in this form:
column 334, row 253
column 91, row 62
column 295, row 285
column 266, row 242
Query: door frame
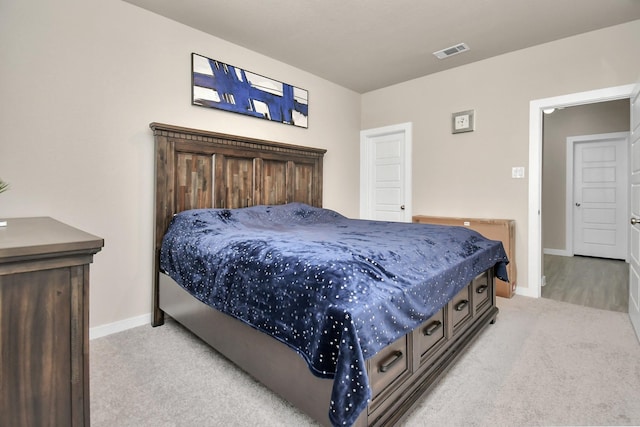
column 366, row 158
column 534, row 277
column 571, row 143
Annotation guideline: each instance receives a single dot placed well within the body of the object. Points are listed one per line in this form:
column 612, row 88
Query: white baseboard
column 526, row 292
column 559, row 252
column 119, row 326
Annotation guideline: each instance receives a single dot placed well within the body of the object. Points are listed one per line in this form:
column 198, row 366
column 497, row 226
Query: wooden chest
column 494, row 229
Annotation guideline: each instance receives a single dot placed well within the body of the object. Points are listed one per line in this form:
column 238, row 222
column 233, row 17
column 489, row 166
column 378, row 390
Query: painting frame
column 218, row 85
column 463, row 121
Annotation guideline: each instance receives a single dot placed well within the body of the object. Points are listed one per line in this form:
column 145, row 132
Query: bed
column 351, row 321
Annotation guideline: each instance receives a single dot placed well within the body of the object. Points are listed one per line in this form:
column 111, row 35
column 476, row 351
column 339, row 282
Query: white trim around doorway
column 534, row 277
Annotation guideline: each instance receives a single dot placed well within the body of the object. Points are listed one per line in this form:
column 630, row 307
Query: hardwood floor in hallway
column 591, row 282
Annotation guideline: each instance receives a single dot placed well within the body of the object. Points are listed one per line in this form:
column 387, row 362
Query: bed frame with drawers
column 202, row 169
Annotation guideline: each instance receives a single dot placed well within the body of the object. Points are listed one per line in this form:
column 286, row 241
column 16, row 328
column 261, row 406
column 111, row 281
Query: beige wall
column 80, row 83
column 470, row 174
column 591, row 119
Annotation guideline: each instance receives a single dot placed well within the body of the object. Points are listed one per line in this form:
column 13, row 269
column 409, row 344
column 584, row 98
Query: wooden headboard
column 201, row 169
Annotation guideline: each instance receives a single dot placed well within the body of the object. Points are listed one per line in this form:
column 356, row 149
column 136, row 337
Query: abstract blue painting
column 225, row 87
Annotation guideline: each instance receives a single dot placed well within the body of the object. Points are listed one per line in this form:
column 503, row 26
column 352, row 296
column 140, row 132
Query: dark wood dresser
column 44, row 322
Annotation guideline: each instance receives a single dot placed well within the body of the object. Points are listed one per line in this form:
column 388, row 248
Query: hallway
column 591, row 282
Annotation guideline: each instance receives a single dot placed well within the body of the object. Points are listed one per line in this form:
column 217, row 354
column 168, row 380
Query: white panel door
column 387, row 177
column 385, row 174
column 634, row 258
column 600, row 196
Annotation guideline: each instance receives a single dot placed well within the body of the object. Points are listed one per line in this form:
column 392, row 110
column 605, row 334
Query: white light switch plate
column 517, row 172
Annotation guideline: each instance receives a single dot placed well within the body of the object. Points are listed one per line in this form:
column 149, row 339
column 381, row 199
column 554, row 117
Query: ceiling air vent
column 450, row 51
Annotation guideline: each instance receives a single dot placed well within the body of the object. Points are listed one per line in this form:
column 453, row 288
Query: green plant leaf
column 4, row 186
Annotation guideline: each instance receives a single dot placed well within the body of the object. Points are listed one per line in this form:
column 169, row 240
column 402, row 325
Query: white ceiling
column 369, row 44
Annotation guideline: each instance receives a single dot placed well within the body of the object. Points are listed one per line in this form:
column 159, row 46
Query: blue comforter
column 336, row 290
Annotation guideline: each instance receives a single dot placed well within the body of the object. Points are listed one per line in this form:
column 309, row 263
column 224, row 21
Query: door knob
column 402, row 207
column 635, row 221
column 578, row 204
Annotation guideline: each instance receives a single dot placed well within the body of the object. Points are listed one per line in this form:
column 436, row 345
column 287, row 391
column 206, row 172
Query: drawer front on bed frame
column 461, row 308
column 430, row 335
column 388, row 369
column 481, row 290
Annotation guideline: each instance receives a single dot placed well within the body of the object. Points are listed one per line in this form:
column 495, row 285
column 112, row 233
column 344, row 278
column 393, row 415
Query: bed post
column 164, row 200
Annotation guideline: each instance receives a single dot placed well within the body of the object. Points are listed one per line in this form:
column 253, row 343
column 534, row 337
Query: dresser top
column 33, row 237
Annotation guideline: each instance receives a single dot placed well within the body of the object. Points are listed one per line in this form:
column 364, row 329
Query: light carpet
column 544, row 363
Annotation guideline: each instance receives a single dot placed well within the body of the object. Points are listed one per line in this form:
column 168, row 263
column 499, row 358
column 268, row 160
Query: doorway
column 535, row 229
column 587, row 177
